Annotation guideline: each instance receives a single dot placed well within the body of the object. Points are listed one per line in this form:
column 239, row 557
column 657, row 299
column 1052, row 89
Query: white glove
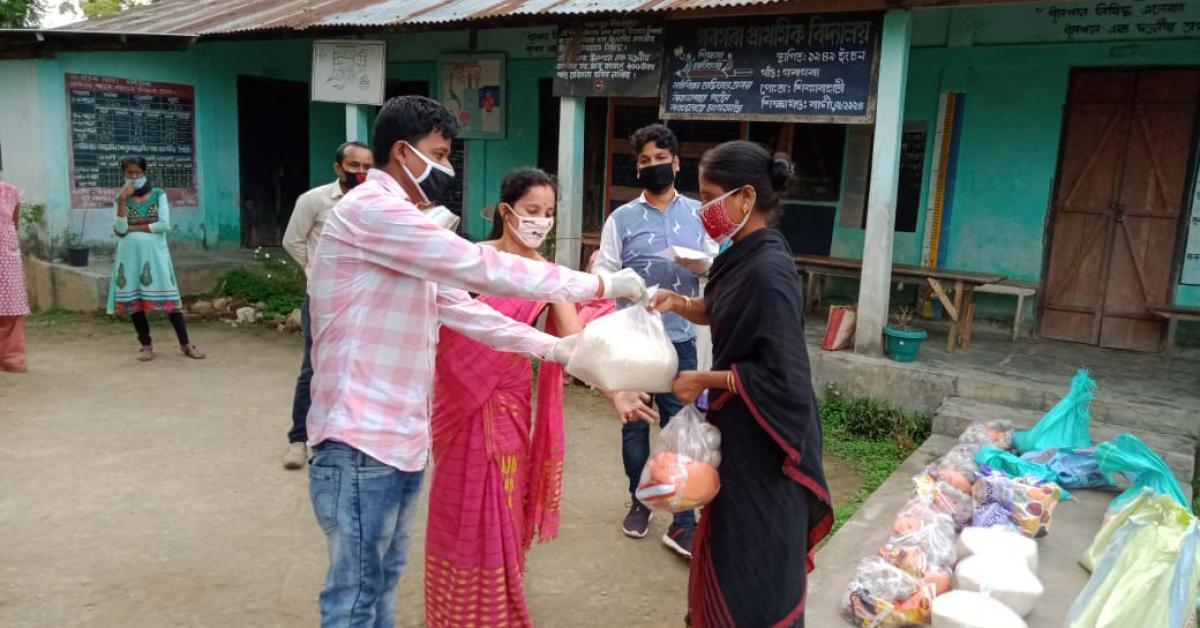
column 698, row 267
column 625, row 284
column 563, row 349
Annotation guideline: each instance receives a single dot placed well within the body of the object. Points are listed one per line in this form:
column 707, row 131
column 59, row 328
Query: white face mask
column 532, row 232
column 137, row 183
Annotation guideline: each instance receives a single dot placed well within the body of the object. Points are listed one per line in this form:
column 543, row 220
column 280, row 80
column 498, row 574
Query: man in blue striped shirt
column 639, row 235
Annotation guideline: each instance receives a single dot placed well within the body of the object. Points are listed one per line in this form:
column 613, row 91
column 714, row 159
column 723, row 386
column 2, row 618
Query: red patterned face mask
column 716, row 220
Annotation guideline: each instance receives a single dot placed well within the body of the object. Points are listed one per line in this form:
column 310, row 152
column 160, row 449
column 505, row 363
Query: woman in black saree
column 753, row 549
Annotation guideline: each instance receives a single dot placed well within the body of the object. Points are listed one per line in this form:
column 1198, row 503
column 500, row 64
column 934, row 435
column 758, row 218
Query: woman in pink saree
column 497, row 473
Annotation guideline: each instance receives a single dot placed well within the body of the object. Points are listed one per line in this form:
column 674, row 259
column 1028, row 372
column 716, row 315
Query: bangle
column 731, row 382
column 600, row 289
column 687, row 305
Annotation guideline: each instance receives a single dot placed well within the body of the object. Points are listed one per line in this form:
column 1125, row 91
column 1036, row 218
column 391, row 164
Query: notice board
column 110, row 118
column 349, row 71
column 1191, row 253
column 812, row 68
column 609, row 58
column 472, row 88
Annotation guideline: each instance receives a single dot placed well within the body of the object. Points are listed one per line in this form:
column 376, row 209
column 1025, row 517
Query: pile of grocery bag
column 963, row 551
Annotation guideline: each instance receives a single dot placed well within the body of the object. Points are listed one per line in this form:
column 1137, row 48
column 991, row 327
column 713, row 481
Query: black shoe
column 637, row 522
column 679, row 538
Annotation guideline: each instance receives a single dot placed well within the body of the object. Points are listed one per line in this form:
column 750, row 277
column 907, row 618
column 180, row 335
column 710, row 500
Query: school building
column 1050, row 144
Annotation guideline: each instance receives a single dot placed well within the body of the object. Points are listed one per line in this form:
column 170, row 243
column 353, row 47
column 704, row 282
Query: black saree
column 753, row 550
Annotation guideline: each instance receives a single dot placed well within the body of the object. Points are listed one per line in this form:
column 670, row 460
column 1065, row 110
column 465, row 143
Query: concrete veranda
column 1146, row 391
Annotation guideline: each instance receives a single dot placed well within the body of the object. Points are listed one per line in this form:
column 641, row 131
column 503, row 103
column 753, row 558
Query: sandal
column 192, row 351
column 146, row 354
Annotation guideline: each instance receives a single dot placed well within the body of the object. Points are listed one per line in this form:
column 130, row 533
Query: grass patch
column 873, row 436
column 272, row 279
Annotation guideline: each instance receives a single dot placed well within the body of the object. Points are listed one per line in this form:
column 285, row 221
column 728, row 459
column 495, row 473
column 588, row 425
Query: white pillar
column 875, row 287
column 358, row 123
column 569, row 217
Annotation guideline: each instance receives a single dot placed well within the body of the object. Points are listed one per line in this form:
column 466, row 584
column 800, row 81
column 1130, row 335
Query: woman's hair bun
column 782, row 172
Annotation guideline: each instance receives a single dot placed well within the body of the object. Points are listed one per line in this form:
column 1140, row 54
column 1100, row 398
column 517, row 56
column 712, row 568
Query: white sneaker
column 296, row 456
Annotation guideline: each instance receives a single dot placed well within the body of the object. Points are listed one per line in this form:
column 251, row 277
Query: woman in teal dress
column 143, row 278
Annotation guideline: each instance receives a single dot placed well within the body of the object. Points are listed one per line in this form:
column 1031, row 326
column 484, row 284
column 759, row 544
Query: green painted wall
column 414, row 57
column 326, row 131
column 174, row 67
column 212, row 69
column 490, row 160
column 1010, row 139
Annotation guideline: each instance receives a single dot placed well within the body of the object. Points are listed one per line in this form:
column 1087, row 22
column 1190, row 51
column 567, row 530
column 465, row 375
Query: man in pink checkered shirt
column 383, row 279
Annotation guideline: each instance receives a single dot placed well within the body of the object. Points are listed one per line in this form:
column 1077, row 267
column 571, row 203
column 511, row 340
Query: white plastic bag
column 968, row 609
column 998, row 541
column 681, row 472
column 626, row 350
column 1005, row 578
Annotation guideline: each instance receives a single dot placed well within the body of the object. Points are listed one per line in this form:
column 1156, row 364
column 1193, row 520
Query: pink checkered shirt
column 383, row 279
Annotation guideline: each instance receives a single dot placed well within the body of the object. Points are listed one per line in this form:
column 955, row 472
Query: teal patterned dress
column 143, row 278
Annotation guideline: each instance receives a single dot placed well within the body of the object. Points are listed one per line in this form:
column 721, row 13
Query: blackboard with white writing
column 814, row 68
column 111, row 118
column 912, row 172
column 616, row 57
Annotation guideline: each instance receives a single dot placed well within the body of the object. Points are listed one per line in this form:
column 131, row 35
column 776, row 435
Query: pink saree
column 497, row 479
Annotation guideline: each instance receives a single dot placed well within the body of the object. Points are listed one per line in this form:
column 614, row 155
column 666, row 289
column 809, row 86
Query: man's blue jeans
column 635, row 435
column 302, row 398
column 364, row 507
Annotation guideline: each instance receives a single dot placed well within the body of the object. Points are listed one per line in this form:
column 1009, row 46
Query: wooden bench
column 1019, row 289
column 1174, row 314
column 961, row 310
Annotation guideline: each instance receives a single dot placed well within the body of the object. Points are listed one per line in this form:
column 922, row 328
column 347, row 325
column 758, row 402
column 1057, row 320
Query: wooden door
column 1122, row 179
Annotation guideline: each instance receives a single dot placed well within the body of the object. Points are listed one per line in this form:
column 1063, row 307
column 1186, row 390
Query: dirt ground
column 151, row 494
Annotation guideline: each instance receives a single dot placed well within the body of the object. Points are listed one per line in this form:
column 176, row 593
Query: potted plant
column 77, row 251
column 902, row 340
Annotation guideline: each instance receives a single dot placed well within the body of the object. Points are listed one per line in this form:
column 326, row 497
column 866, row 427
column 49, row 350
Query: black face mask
column 435, row 181
column 656, row 179
column 350, row 180
column 436, row 185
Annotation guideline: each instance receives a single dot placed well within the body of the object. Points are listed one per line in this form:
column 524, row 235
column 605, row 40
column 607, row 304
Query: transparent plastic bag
column 946, row 498
column 996, row 433
column 1013, row 466
column 961, row 458
column 927, row 553
column 882, row 595
column 918, row 513
column 626, row 350
column 681, row 472
column 1027, row 504
column 1066, row 424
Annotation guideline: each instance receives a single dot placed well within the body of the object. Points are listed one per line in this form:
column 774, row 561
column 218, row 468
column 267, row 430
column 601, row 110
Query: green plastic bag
column 1128, row 455
column 1012, row 465
column 1066, row 424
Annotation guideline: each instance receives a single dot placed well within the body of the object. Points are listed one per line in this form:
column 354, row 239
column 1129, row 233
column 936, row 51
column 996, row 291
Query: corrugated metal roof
column 211, row 17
